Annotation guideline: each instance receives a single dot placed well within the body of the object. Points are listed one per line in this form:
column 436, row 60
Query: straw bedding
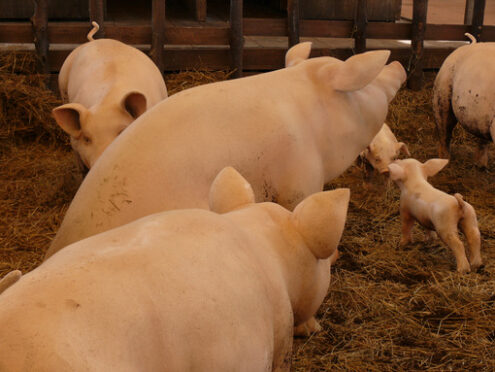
column 388, row 307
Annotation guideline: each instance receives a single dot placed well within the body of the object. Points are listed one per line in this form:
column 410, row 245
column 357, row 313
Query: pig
column 288, row 132
column 179, row 290
column 107, row 85
column 464, row 93
column 384, row 149
column 436, row 210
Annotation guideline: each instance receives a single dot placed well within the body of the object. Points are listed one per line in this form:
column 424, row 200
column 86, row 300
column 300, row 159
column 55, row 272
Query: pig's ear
column 229, row 190
column 397, row 173
column 9, row 279
column 69, row 116
column 356, row 72
column 402, row 147
column 433, row 166
column 320, row 219
column 134, row 103
column 298, row 53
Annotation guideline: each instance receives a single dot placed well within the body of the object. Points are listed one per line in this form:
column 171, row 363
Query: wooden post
column 39, row 22
column 236, row 37
column 157, row 32
column 360, row 22
column 97, row 14
column 293, row 21
column 415, row 81
column 477, row 20
column 468, row 12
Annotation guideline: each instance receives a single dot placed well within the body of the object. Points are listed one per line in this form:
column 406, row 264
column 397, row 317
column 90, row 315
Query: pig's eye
column 87, row 140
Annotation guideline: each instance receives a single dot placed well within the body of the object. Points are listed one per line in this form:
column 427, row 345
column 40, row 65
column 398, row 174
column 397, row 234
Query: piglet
column 384, row 149
column 436, row 210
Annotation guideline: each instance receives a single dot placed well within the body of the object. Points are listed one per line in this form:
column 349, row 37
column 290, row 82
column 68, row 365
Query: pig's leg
column 481, row 153
column 452, row 240
column 407, row 223
column 445, row 119
column 469, row 226
column 307, row 328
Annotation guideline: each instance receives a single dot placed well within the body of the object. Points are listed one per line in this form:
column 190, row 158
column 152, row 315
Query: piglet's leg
column 407, row 222
column 431, row 235
column 454, row 243
column 469, row 226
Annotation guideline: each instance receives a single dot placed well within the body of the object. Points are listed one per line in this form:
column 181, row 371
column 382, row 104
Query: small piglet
column 383, row 149
column 436, row 210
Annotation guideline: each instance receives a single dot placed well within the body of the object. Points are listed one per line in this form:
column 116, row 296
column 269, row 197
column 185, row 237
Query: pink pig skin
column 288, row 132
column 186, row 290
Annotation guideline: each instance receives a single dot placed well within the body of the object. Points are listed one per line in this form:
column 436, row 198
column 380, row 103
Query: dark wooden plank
column 97, row 14
column 477, row 20
column 197, row 8
column 293, row 21
column 236, row 37
column 415, row 81
column 259, row 59
column 360, row 22
column 39, row 21
column 157, row 32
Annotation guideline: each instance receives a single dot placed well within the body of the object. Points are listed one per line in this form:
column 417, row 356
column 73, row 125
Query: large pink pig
column 288, row 132
column 108, row 85
column 186, row 290
column 464, row 92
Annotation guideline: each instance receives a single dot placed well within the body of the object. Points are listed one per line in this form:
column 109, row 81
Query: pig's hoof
column 404, row 242
column 430, row 236
column 307, row 328
column 464, row 269
column 476, row 264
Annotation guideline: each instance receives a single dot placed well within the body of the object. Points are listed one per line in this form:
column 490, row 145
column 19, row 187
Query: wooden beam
column 236, row 37
column 157, row 32
column 477, row 20
column 39, row 22
column 360, row 21
column 97, row 14
column 293, row 21
column 415, row 81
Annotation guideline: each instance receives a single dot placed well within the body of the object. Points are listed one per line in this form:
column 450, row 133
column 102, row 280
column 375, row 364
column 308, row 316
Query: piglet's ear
column 134, row 103
column 397, row 173
column 433, row 166
column 356, row 72
column 69, row 117
column 298, row 53
column 320, row 219
column 402, row 147
column 229, row 190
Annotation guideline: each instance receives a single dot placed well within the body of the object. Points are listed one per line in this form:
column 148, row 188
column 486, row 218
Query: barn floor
column 388, row 307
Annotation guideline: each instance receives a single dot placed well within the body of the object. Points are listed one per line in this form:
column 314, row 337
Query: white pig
column 108, row 85
column 464, row 92
column 384, row 149
column 436, row 210
column 288, row 132
column 184, row 290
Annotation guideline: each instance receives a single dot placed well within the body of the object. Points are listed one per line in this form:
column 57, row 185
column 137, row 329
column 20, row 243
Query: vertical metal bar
column 97, row 14
column 157, row 32
column 293, row 21
column 415, row 81
column 468, row 12
column 39, row 22
column 236, row 37
column 477, row 20
column 360, row 22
